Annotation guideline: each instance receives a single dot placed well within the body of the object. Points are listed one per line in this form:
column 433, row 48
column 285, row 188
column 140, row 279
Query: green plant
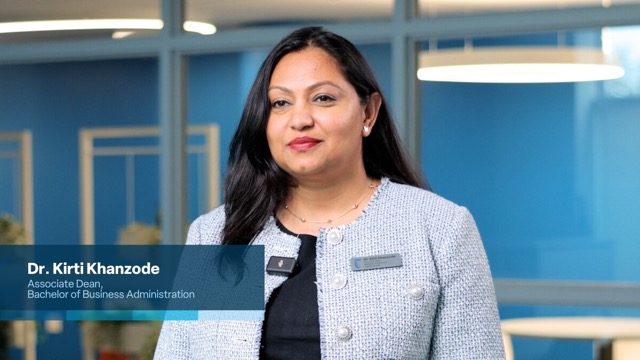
column 11, row 231
column 139, row 234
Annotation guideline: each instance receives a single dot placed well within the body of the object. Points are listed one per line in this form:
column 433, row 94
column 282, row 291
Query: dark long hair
column 255, row 185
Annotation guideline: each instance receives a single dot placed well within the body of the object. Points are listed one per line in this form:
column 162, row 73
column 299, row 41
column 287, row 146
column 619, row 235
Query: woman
column 386, row 269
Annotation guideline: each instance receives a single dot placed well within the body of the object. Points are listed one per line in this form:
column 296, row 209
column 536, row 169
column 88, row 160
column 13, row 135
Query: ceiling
column 226, row 14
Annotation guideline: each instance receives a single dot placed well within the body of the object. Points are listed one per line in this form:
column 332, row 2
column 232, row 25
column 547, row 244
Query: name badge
column 376, row 262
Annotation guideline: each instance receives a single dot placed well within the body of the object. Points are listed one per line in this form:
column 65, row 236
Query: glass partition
column 54, row 102
column 550, row 172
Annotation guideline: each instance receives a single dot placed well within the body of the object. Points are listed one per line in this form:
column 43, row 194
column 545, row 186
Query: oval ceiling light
column 199, row 27
column 518, row 65
column 100, row 24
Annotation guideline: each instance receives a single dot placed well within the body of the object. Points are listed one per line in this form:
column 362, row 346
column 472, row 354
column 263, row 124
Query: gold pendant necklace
column 355, row 206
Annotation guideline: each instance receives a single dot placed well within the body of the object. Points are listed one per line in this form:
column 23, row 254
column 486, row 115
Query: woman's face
column 315, row 125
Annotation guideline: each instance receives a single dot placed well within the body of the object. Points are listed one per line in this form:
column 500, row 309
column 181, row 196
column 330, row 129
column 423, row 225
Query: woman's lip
column 303, row 143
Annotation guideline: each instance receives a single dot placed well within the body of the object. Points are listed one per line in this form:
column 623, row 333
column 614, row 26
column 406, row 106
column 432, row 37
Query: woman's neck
column 311, row 205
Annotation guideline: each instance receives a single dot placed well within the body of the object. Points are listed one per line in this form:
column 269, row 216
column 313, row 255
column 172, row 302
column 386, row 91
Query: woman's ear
column 371, row 110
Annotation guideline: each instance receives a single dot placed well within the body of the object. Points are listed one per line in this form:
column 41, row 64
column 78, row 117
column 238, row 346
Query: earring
column 366, row 129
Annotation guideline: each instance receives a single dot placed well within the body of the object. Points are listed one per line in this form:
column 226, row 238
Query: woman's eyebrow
column 281, row 88
column 311, row 87
column 322, row 83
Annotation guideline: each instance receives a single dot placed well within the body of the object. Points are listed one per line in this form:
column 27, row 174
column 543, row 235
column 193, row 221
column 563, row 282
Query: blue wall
column 551, row 173
column 507, row 153
column 54, row 101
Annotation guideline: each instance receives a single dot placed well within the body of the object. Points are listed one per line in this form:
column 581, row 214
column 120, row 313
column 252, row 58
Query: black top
column 291, row 328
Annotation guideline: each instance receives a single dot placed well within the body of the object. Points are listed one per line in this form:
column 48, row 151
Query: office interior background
column 100, row 132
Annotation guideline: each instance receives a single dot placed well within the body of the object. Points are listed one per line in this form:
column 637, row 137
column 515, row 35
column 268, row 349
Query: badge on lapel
column 376, row 262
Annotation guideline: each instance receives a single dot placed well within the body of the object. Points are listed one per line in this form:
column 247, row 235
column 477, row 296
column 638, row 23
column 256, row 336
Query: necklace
column 355, row 206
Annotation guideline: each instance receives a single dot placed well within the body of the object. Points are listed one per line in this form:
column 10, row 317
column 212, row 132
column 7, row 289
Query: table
column 615, row 337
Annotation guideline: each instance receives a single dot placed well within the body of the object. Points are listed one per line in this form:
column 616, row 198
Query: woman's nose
column 301, row 117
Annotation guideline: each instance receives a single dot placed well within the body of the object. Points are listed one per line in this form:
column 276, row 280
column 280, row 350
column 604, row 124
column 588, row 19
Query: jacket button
column 343, row 333
column 338, row 281
column 334, row 237
column 416, row 292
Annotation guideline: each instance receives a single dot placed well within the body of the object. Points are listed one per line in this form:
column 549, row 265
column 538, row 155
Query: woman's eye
column 278, row 103
column 324, row 98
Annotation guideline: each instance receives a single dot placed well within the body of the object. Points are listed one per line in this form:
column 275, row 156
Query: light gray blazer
column 440, row 304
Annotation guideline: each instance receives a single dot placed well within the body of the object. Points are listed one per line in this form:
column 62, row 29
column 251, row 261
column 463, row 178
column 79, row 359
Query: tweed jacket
column 440, row 304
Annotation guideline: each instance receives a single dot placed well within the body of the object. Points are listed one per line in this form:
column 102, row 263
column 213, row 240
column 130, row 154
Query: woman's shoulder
column 412, row 198
column 207, row 228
